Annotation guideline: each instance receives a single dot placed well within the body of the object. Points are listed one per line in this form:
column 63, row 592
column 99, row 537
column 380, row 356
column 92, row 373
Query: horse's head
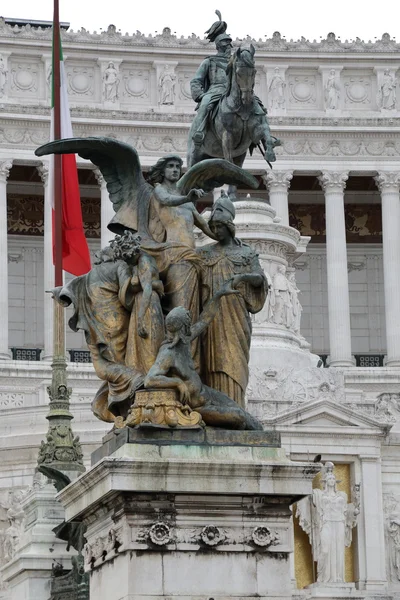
column 244, row 71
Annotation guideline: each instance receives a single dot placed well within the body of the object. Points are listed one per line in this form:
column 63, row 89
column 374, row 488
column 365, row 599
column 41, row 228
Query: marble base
column 189, row 520
column 329, row 591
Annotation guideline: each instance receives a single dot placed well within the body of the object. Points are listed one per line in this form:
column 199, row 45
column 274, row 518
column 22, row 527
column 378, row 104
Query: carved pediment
column 327, row 414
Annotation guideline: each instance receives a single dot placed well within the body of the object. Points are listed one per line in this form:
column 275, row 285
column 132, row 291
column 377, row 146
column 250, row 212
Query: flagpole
column 61, row 451
column 58, row 271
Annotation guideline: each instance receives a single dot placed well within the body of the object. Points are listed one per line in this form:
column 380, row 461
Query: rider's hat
column 217, row 30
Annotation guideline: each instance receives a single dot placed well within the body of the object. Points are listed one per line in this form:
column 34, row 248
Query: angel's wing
column 215, row 172
column 120, row 166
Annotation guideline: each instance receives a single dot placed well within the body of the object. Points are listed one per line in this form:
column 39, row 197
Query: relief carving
column 302, row 89
column 166, row 87
column 80, row 81
column 277, row 87
column 111, row 83
column 136, row 83
column 332, row 91
column 386, row 98
column 3, row 76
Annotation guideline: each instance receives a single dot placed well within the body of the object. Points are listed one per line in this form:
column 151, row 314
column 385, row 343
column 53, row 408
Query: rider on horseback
column 210, row 80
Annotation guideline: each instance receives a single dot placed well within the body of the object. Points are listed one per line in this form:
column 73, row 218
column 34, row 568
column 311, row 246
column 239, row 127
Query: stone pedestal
column 29, row 571
column 188, row 514
column 276, row 342
column 331, row 591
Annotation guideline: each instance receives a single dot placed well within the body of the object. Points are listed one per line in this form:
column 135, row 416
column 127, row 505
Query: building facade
column 335, row 106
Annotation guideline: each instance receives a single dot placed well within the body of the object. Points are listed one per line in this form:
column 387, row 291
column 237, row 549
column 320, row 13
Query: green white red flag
column 75, row 251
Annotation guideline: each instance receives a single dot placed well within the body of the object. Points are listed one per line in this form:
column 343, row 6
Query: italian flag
column 75, row 251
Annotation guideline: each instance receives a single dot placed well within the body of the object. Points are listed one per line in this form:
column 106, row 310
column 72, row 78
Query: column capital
column 99, row 177
column 43, row 171
column 388, row 179
column 5, row 166
column 274, row 179
column 333, row 180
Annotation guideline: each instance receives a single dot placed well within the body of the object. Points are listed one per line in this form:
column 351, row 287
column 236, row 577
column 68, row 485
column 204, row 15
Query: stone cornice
column 166, row 40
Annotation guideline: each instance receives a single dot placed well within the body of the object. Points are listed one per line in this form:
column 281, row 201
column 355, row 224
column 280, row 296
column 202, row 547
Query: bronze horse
column 236, row 122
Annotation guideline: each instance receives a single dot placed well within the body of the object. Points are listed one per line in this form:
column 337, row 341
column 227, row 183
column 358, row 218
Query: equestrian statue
column 230, row 119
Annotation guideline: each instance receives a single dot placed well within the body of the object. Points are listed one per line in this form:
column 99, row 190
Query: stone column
column 107, row 211
column 388, row 184
column 48, row 267
column 372, row 570
column 5, row 166
column 277, row 184
column 333, row 184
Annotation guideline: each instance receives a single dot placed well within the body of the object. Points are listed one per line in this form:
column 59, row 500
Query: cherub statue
column 174, row 368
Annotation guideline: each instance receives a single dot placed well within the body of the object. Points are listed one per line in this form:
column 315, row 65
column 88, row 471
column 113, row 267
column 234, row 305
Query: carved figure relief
column 387, row 91
column 332, row 91
column 391, row 507
column 280, row 301
column 276, row 96
column 292, row 387
column 16, row 523
column 166, row 86
column 3, row 76
column 111, row 83
column 328, row 519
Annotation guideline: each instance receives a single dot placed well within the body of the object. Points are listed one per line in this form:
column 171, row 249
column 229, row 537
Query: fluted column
column 48, row 268
column 106, row 210
column 277, row 184
column 5, row 167
column 333, row 184
column 388, row 184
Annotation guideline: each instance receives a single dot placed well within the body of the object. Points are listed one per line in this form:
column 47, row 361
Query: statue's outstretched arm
column 202, row 224
column 166, row 197
column 210, row 309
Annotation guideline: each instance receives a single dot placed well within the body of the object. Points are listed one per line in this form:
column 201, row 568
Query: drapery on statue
column 328, row 520
column 150, row 269
column 230, row 119
column 230, row 259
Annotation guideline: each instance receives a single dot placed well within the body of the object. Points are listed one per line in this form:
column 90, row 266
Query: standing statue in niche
column 294, row 301
column 230, row 259
column 3, row 77
column 281, row 306
column 124, row 303
column 110, row 83
column 276, row 90
column 166, row 86
column 230, row 119
column 387, row 91
column 332, row 91
column 328, row 520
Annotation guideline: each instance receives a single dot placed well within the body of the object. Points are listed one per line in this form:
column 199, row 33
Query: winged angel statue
column 150, row 268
